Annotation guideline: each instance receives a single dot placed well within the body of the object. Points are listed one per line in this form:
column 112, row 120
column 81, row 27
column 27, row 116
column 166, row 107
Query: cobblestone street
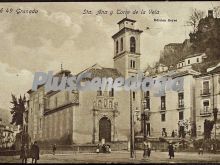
column 119, row 157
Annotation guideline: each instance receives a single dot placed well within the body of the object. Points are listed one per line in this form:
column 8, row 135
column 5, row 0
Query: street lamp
column 215, row 114
column 144, row 118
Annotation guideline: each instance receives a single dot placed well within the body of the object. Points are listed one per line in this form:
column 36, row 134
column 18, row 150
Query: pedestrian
column 171, row 150
column 200, row 150
column 98, row 148
column 148, row 150
column 145, row 150
column 173, row 134
column 109, row 149
column 54, row 149
column 212, row 148
column 35, row 151
column 24, row 154
column 104, row 148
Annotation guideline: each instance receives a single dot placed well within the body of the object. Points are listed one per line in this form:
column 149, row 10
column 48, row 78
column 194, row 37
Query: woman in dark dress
column 171, row 150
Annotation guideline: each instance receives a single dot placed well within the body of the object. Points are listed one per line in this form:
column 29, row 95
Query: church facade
column 89, row 116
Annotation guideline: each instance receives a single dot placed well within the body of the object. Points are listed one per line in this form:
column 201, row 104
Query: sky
column 61, row 33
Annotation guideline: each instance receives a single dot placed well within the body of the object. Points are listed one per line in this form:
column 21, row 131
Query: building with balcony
column 171, row 105
column 207, row 98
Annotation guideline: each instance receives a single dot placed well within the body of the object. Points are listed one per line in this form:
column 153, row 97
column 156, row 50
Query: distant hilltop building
column 189, row 60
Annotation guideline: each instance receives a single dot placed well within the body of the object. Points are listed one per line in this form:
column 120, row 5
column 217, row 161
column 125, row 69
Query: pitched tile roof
column 98, row 71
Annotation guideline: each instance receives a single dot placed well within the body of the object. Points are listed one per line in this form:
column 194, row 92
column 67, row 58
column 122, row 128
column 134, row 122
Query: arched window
column 99, row 103
column 121, row 44
column 116, row 46
column 110, row 104
column 132, row 45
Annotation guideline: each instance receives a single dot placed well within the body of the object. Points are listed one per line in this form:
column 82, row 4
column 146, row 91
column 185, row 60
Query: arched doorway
column 105, row 129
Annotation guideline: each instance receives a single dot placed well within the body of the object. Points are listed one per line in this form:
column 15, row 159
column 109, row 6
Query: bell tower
column 127, row 48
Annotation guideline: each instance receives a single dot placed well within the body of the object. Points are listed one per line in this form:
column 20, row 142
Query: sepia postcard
column 110, row 82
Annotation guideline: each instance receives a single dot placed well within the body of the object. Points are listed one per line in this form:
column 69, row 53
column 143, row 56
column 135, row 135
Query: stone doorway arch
column 105, row 129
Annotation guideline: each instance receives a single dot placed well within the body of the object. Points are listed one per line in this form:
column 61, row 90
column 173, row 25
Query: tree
column 18, row 109
column 194, row 18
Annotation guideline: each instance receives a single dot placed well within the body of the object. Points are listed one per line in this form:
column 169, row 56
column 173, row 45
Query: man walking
column 171, row 150
column 35, row 152
column 54, row 149
column 24, row 154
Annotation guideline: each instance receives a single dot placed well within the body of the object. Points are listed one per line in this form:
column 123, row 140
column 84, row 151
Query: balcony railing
column 206, row 111
column 205, row 92
column 162, row 108
column 180, row 105
column 108, row 106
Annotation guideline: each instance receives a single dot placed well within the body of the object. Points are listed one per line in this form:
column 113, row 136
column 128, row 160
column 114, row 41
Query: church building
column 82, row 117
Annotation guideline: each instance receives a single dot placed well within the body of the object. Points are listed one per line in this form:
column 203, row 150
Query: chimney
column 210, row 13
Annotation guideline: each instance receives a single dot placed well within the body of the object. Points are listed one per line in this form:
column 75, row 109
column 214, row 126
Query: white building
column 191, row 59
column 172, row 110
column 207, row 98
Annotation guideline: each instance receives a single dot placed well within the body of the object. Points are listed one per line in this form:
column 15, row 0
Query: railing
column 107, row 107
column 205, row 111
column 162, row 108
column 180, row 105
column 205, row 92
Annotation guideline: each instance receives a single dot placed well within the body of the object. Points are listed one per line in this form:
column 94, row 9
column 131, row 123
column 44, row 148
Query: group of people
column 147, row 150
column 34, row 153
column 105, row 148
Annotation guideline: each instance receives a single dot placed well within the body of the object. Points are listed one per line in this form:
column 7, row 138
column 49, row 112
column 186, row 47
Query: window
column 188, row 61
column 99, row 103
column 110, row 104
column 99, row 92
column 206, row 105
column 122, row 44
column 146, row 94
column 133, row 64
column 205, row 87
column 163, row 117
column 40, row 123
column 181, row 117
column 180, row 99
column 163, row 103
column 133, row 95
column 105, row 103
column 147, row 100
column 116, row 46
column 197, row 59
column 111, row 93
column 55, row 101
column 132, row 45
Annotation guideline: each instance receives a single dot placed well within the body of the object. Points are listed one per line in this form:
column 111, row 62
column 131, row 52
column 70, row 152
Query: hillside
column 205, row 39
